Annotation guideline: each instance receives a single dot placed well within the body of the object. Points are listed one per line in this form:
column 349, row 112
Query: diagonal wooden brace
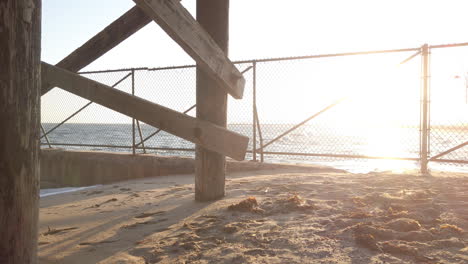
column 200, row 132
column 118, row 31
column 179, row 24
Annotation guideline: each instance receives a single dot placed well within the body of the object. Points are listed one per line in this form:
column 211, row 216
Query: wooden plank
column 210, row 167
column 20, row 52
column 185, row 30
column 111, row 36
column 200, row 132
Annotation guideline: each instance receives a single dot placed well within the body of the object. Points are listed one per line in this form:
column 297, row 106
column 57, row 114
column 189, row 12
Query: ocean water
column 323, row 144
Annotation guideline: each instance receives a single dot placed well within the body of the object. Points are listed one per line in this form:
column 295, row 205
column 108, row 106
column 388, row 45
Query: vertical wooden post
column 425, row 110
column 20, row 46
column 210, row 167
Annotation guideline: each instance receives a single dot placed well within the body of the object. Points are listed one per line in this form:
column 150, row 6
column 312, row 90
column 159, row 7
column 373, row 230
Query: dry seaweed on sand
column 248, row 205
column 295, row 202
column 290, row 203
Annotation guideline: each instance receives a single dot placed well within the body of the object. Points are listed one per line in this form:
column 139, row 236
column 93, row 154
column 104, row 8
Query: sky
column 262, row 28
column 274, row 28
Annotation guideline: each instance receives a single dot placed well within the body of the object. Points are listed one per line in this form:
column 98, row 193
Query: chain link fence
column 449, row 106
column 332, row 109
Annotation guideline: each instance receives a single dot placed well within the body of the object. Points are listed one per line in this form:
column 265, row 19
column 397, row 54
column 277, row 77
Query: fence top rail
column 114, row 70
column 286, row 58
column 329, row 55
column 453, row 45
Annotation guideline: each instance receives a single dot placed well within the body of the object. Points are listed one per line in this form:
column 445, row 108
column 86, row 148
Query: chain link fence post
column 133, row 119
column 254, row 106
column 425, row 110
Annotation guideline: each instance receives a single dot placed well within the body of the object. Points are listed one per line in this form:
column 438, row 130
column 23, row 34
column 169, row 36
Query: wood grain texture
column 187, row 32
column 200, row 132
column 210, row 167
column 111, row 36
column 20, row 47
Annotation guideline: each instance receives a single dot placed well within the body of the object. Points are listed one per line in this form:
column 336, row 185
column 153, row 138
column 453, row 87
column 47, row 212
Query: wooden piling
column 20, row 46
column 210, row 167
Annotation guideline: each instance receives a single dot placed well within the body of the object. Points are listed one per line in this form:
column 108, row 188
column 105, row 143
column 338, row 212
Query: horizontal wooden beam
column 187, row 32
column 111, row 36
column 200, row 132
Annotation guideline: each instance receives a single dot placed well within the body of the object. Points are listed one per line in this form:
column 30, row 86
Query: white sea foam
column 54, row 191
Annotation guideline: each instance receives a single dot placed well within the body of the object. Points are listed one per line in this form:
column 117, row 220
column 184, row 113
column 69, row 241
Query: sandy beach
column 274, row 215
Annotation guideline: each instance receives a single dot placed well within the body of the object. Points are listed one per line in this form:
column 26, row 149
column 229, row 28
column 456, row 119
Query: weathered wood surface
column 20, row 47
column 210, row 167
column 187, row 32
column 111, row 36
column 200, row 132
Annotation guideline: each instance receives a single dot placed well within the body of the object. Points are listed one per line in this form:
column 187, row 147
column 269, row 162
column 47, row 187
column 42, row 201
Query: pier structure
column 24, row 78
